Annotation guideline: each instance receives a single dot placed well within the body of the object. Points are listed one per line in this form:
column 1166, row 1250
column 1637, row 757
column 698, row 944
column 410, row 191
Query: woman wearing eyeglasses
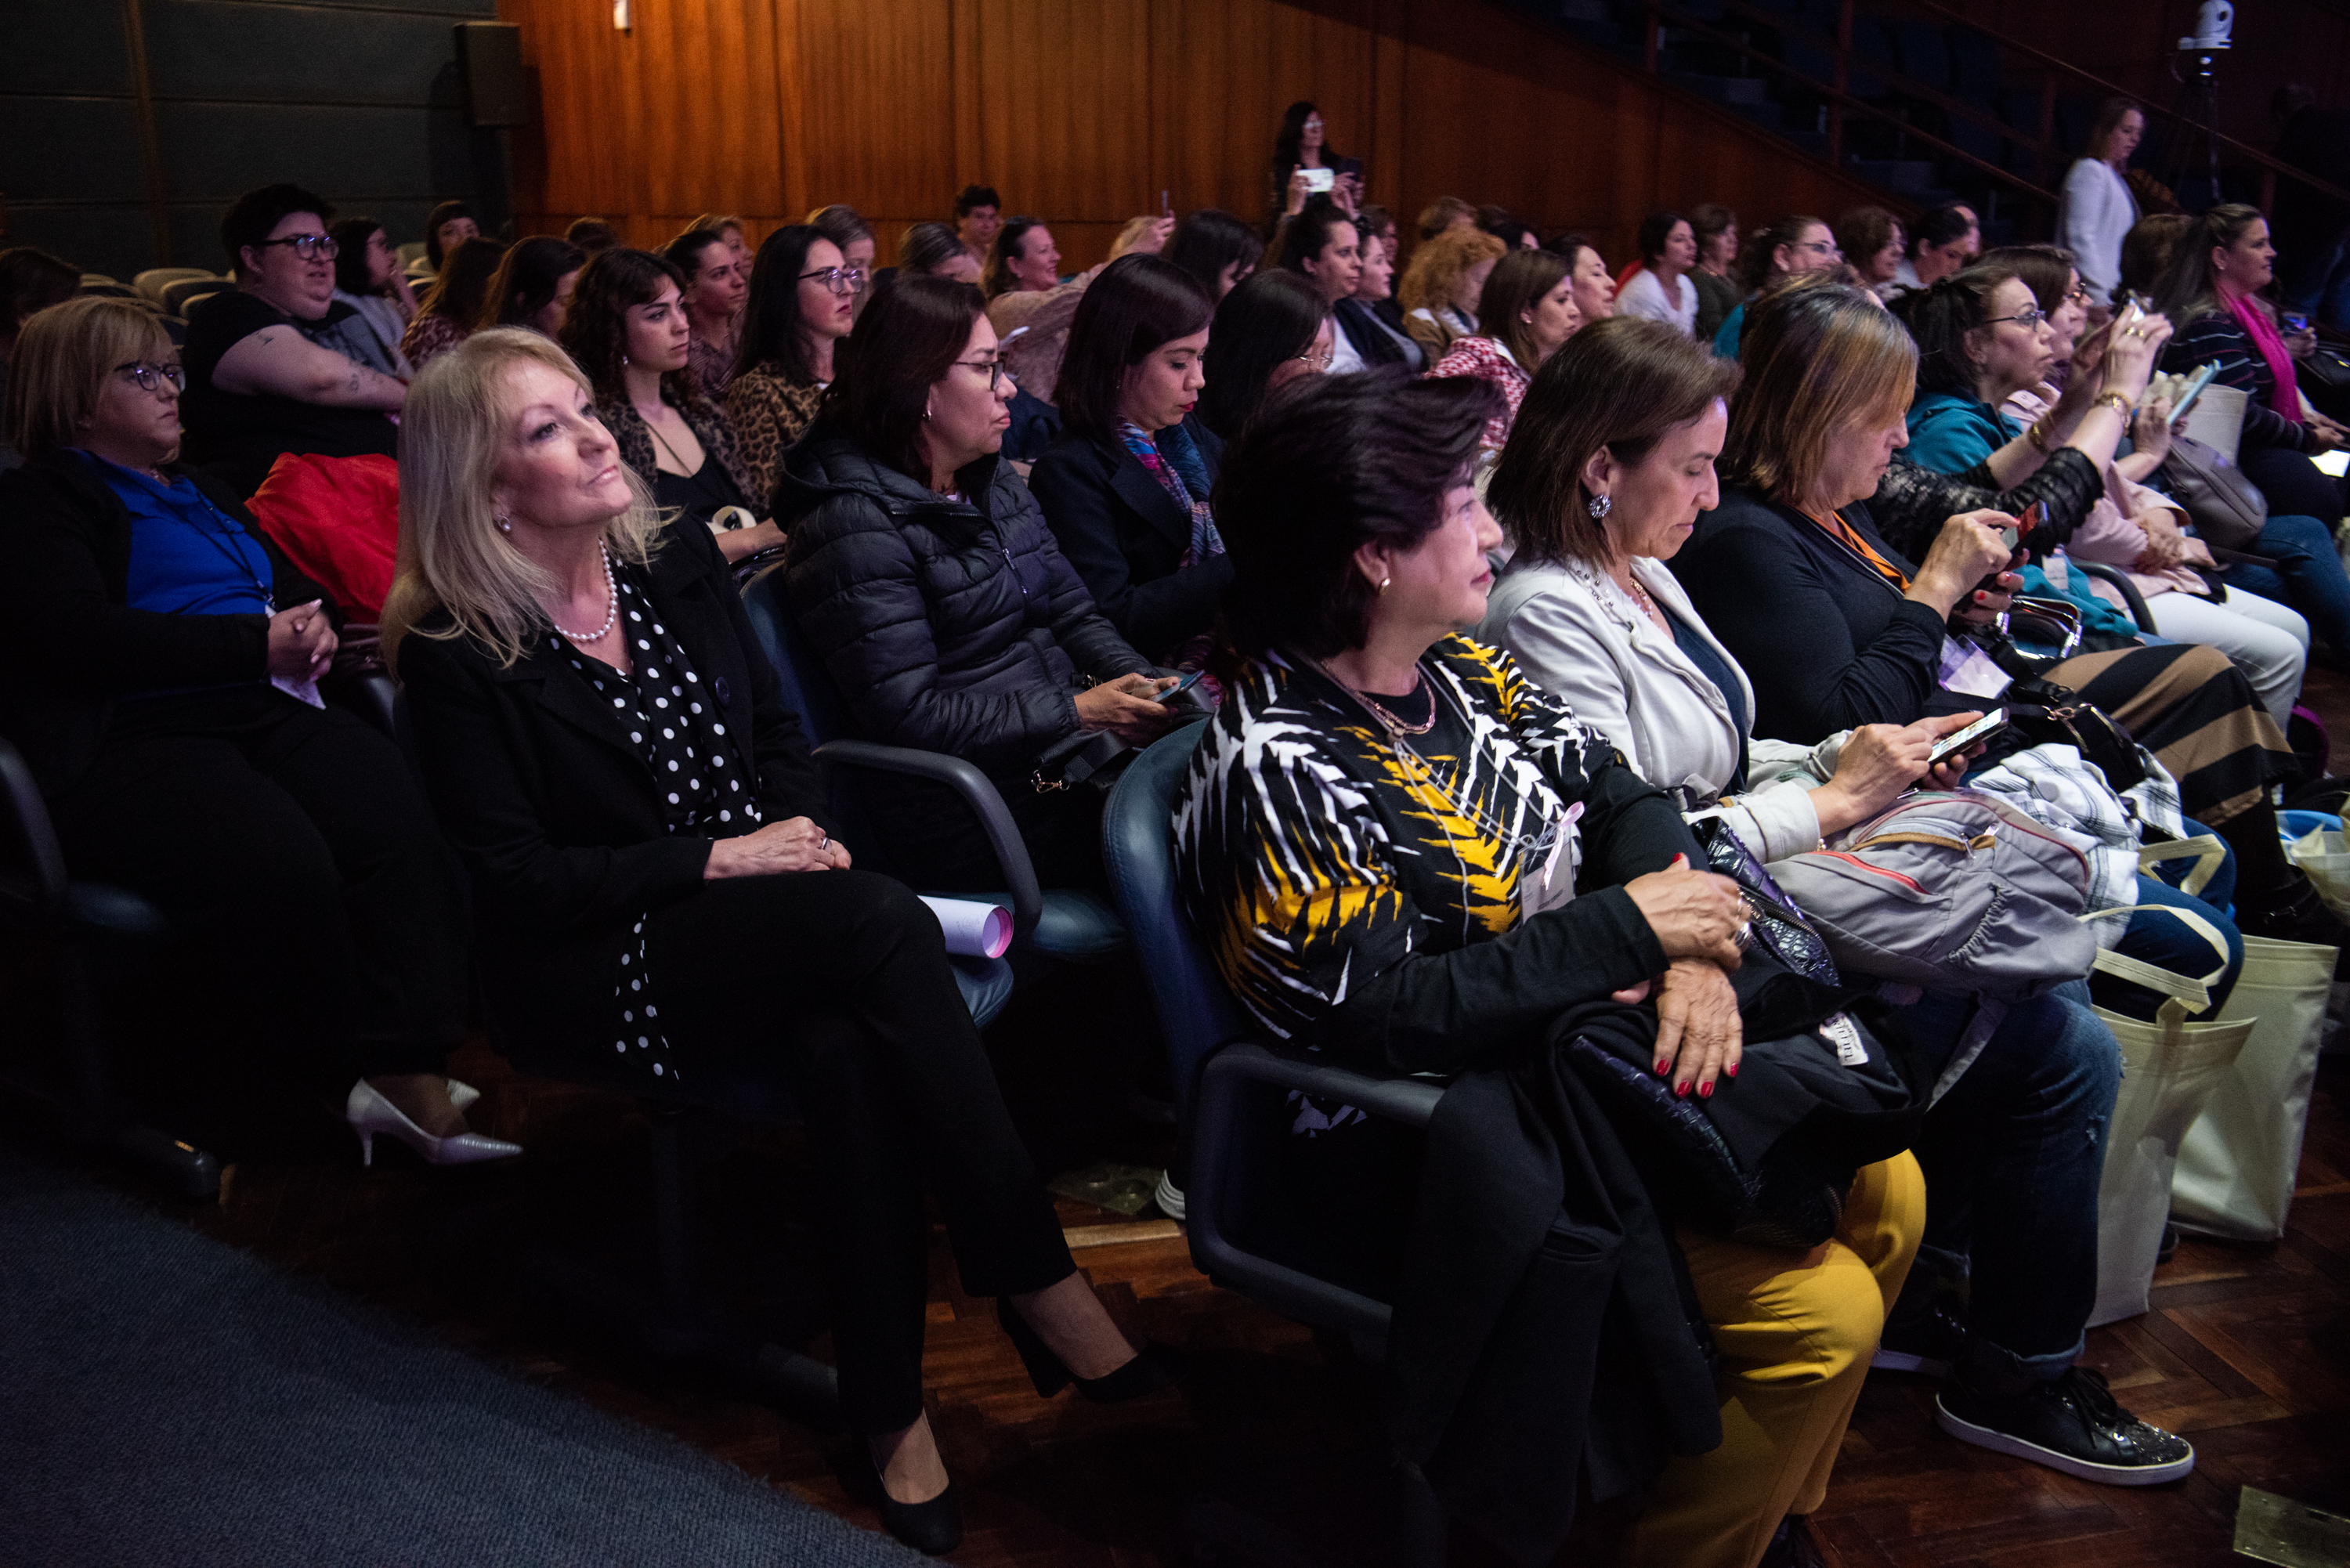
column 802, row 302
column 921, row 569
column 1791, row 246
column 627, row 327
column 160, row 670
column 266, row 374
column 1272, row 328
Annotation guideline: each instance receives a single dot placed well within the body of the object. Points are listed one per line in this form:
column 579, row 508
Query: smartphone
column 1982, row 729
column 1164, row 205
column 2204, row 376
column 2296, row 324
column 1180, row 687
column 1320, row 179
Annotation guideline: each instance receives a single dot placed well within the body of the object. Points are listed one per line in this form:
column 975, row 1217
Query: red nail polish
column 1731, row 1069
column 1705, row 1090
column 1681, row 1090
column 1663, row 1067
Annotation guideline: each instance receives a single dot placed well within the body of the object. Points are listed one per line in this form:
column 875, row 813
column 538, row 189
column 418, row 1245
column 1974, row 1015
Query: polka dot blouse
column 675, row 725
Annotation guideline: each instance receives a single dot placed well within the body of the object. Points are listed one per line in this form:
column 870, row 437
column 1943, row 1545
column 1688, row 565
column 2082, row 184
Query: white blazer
column 2094, row 215
column 1576, row 636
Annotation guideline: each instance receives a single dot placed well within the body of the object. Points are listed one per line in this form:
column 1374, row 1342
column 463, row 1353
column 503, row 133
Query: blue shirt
column 1716, row 669
column 187, row 556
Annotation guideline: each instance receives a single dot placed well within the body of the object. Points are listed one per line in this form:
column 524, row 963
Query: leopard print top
column 769, row 413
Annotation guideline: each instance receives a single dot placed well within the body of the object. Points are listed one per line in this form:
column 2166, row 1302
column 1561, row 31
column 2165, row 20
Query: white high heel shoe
column 462, row 1095
column 370, row 1114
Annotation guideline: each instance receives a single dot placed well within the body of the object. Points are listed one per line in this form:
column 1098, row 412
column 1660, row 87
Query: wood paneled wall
column 1082, row 111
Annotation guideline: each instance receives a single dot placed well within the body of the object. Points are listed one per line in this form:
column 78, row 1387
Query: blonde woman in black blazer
column 658, row 883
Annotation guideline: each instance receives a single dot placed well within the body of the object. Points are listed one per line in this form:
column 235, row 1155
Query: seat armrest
column 369, row 694
column 976, row 791
column 2104, row 571
column 38, row 899
column 1411, row 1101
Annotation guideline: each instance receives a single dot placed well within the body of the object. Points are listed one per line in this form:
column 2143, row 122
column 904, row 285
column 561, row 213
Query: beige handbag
column 2237, row 1164
column 2170, row 1067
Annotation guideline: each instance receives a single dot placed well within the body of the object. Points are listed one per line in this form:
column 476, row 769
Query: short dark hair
column 774, row 331
column 1864, row 231
column 32, row 280
column 1330, row 464
column 1939, row 226
column 1209, row 240
column 251, row 215
column 463, row 282
column 1655, row 229
column 446, row 213
column 684, row 252
column 927, row 246
column 1941, row 316
column 1758, row 263
column 1518, row 280
column 592, row 235
column 526, row 279
column 2147, row 248
column 998, row 279
column 1619, row 384
column 977, row 196
column 1708, row 219
column 884, row 369
column 596, row 329
column 1271, row 317
column 350, row 237
column 2046, row 270
column 1498, row 223
column 1305, row 236
column 1443, row 213
column 1137, row 303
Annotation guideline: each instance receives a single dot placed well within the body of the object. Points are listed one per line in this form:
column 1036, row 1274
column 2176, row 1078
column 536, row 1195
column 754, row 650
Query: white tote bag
column 2170, row 1069
column 2237, row 1165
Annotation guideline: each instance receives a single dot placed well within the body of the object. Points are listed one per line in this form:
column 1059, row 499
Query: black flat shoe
column 932, row 1527
column 1154, row 1366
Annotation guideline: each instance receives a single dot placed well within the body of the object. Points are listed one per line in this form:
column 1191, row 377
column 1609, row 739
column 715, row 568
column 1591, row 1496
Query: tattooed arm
column 280, row 360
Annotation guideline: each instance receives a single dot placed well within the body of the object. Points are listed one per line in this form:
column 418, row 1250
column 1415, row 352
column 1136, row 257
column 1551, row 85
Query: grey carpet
column 168, row 1399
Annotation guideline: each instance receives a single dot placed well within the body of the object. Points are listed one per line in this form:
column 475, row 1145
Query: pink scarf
column 2285, row 396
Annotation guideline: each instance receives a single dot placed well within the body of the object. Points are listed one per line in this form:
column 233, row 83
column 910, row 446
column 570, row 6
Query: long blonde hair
column 452, row 555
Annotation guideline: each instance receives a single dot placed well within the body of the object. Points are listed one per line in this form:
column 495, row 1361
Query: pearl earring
column 505, row 526
column 1597, row 506
column 1383, row 582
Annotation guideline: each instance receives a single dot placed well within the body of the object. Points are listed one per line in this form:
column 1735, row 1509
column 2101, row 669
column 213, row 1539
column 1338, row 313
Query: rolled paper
column 973, row 929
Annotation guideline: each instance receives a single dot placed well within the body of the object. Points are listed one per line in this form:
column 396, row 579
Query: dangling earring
column 1597, row 506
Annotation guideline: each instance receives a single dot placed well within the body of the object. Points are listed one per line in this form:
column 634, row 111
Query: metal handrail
column 1850, row 104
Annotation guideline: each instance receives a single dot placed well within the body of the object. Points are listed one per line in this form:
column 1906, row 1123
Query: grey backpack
column 1951, row 892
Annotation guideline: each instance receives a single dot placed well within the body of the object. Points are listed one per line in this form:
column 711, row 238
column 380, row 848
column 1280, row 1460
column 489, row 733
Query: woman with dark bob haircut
column 1378, row 836
column 1274, row 327
column 1216, row 248
column 921, row 571
column 534, row 284
column 452, row 309
column 1126, row 485
column 710, row 916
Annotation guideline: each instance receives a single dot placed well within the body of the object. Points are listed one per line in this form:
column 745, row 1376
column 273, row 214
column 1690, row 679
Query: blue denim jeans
column 2156, row 938
column 2013, row 1157
column 2308, row 576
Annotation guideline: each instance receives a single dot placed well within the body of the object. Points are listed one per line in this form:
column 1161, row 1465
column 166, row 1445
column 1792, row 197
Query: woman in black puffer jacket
column 921, row 571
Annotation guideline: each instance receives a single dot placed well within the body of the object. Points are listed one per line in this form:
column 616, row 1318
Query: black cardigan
column 1124, row 535
column 1827, row 642
column 553, row 810
column 73, row 643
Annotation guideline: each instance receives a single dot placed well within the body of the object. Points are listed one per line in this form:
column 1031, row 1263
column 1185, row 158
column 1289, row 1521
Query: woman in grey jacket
column 923, row 574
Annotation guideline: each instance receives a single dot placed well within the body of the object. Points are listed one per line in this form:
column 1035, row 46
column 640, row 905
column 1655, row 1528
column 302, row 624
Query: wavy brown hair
column 1819, row 357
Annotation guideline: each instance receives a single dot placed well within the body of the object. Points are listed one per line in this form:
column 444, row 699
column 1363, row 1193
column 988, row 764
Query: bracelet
column 2121, row 405
column 2039, row 432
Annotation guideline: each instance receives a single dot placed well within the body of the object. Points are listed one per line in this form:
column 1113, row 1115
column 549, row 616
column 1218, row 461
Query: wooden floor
column 1274, row 1441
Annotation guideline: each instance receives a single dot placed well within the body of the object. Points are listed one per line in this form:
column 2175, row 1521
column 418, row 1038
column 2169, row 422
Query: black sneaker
column 1927, row 1343
column 2071, row 1425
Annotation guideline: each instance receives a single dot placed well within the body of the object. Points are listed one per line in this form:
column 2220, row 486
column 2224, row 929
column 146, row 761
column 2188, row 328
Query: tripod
column 2195, row 106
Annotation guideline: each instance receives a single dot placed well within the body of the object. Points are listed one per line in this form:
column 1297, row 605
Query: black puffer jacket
column 953, row 626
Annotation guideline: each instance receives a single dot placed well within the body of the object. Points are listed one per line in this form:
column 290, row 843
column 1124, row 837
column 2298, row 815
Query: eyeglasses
column 308, row 247
column 150, row 378
column 1321, row 362
column 2079, row 295
column 2028, row 320
column 1821, row 246
column 994, row 369
column 838, row 279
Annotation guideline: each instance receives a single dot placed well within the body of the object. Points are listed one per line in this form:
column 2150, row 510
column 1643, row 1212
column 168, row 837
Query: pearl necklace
column 612, row 611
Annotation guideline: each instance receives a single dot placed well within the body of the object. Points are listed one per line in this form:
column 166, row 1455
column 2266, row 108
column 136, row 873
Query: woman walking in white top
column 2098, row 209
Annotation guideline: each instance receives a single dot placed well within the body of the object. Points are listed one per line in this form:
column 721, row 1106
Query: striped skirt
column 2194, row 710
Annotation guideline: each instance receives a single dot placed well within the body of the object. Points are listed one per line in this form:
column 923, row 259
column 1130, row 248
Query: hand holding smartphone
column 1958, row 741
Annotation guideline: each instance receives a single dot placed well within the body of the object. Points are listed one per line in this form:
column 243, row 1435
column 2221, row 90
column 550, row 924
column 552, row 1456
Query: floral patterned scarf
column 1174, row 461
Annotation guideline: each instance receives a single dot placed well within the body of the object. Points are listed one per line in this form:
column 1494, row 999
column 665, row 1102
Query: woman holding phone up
column 1306, row 164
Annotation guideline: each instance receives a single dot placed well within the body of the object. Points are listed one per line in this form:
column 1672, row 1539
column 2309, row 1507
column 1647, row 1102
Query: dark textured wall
column 358, row 100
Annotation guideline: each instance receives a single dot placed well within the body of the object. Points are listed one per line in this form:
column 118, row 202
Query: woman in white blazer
column 2097, row 211
column 1591, row 612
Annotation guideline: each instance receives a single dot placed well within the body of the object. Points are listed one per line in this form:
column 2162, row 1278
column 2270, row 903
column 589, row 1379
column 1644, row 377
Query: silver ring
column 825, row 843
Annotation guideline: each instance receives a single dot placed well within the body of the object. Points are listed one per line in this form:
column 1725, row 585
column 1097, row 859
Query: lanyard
column 1850, row 537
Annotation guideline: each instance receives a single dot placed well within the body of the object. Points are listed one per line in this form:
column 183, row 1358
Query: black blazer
column 553, row 810
column 1124, row 535
column 73, row 644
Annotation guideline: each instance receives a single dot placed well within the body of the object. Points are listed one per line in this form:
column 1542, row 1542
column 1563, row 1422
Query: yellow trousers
column 1795, row 1331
